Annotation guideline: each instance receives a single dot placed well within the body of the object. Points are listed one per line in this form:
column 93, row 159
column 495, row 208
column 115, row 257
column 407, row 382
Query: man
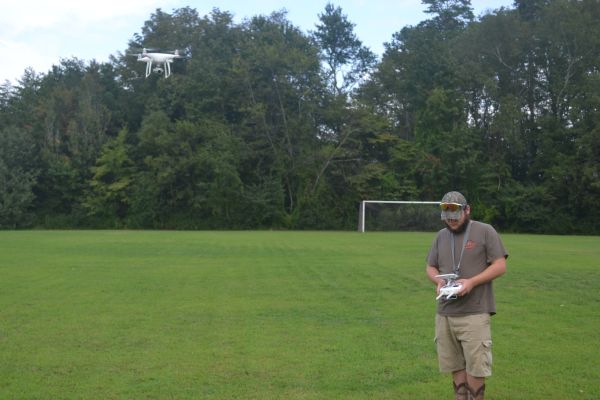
column 474, row 251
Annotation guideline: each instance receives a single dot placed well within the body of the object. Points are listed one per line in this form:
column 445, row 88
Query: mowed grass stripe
column 277, row 315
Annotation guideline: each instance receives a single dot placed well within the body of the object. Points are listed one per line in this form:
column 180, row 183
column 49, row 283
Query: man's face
column 459, row 225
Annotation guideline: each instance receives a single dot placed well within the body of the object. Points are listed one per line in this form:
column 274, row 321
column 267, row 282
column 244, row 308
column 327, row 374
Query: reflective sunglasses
column 451, row 207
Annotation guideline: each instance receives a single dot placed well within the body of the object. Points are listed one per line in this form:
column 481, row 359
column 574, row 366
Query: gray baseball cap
column 452, row 198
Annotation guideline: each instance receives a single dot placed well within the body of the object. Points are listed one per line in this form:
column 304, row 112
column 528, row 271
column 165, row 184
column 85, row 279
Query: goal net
column 418, row 216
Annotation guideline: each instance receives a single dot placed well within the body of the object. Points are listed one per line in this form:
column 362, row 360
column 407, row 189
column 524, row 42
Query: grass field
column 278, row 315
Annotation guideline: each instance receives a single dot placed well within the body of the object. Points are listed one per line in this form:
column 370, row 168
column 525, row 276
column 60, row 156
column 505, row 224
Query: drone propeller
column 180, row 54
column 142, row 50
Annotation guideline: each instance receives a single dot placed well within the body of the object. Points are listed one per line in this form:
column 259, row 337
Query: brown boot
column 477, row 394
column 461, row 391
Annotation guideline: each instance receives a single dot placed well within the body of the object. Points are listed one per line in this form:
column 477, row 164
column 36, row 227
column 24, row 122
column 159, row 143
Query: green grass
column 278, row 315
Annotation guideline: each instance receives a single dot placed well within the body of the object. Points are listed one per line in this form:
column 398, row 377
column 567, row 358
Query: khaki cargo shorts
column 464, row 342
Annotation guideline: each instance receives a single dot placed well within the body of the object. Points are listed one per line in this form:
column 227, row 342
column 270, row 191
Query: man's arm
column 494, row 270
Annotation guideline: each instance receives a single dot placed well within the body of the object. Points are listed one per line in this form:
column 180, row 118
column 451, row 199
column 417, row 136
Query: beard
column 461, row 228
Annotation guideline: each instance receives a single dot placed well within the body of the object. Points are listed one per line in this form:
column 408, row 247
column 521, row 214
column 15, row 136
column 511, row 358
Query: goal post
column 406, row 210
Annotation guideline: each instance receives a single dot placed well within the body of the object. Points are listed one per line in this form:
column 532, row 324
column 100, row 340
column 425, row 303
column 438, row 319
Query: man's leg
column 450, row 356
column 459, row 381
column 476, row 387
column 476, row 340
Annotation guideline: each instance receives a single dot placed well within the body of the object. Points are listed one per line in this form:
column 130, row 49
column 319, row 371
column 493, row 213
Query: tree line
column 269, row 127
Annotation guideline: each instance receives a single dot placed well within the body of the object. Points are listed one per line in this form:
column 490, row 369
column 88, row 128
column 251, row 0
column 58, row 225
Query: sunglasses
column 451, row 207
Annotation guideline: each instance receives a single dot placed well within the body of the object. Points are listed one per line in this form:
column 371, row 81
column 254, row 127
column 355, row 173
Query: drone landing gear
column 159, row 70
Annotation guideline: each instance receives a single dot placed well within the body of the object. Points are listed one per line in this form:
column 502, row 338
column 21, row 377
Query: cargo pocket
column 479, row 357
column 486, row 357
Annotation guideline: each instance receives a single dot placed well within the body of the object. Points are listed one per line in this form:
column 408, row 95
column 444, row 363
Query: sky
column 39, row 33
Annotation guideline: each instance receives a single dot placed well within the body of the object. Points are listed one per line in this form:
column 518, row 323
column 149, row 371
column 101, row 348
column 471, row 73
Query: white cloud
column 39, row 33
column 19, row 51
column 21, row 16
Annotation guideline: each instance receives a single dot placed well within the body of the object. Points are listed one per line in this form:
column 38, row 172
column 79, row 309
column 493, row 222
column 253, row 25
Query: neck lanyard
column 456, row 267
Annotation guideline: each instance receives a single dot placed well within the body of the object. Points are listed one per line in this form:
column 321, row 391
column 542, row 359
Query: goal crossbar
column 361, row 222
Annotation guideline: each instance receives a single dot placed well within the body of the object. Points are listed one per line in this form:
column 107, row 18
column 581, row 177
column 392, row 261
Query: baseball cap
column 449, row 199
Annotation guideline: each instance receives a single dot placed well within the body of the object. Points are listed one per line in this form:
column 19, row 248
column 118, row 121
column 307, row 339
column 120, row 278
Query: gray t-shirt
column 483, row 246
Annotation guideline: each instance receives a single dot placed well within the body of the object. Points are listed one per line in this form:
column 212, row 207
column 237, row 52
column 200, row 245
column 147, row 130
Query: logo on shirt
column 470, row 245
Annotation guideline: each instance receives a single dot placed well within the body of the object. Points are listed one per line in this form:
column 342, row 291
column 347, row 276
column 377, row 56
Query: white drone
column 451, row 288
column 158, row 58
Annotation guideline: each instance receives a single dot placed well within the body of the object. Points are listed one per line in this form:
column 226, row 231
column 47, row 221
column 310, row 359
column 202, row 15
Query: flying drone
column 162, row 61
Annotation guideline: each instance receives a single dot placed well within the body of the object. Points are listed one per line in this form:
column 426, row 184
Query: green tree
column 110, row 187
column 346, row 61
column 73, row 125
column 345, row 64
column 187, row 177
column 17, row 177
column 278, row 71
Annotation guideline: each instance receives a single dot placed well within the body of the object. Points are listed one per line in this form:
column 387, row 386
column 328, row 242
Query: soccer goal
column 382, row 215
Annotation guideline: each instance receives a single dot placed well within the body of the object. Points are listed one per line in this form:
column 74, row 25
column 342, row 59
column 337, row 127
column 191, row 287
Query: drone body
column 162, row 60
